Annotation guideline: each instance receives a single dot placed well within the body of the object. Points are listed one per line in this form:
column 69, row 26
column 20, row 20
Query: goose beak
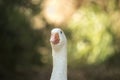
column 54, row 39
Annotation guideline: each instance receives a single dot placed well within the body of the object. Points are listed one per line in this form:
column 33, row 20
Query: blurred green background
column 91, row 27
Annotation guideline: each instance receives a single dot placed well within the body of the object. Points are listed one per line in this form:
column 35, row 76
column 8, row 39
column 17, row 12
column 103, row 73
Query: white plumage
column 59, row 53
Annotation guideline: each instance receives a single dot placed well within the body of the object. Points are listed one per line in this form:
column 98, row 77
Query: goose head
column 57, row 39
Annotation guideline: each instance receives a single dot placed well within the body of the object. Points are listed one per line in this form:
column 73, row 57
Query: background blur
column 91, row 27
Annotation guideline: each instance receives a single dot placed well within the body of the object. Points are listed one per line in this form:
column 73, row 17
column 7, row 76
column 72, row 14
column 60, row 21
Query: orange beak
column 54, row 38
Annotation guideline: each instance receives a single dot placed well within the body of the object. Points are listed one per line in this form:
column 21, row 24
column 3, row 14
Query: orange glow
column 58, row 11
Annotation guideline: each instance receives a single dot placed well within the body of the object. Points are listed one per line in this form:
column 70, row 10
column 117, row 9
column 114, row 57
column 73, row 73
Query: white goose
column 59, row 53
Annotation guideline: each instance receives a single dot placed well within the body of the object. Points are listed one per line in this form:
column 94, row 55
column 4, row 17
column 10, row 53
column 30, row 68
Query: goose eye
column 61, row 32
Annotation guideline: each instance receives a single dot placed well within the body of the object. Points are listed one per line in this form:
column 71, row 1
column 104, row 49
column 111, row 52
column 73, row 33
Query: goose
column 59, row 54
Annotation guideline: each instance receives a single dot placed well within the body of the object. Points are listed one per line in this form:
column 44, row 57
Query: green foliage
column 91, row 41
